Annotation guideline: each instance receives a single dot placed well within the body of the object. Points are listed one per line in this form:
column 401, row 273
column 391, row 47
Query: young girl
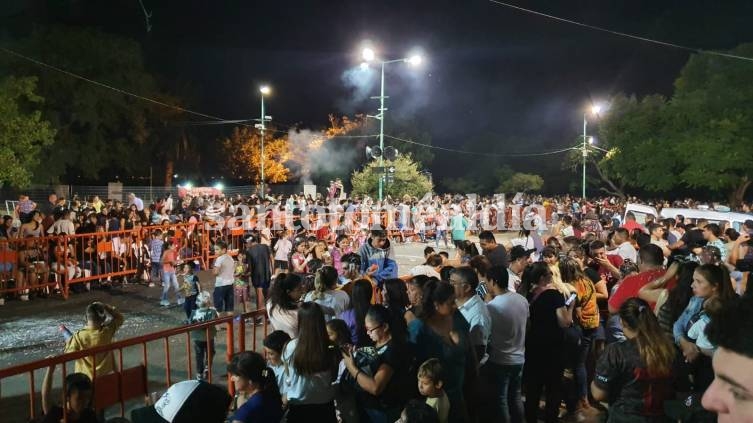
column 342, row 247
column 257, row 382
column 190, row 286
column 241, row 284
column 300, row 258
column 283, row 247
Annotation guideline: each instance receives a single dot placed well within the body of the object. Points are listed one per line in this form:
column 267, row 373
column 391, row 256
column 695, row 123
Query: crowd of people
column 593, row 310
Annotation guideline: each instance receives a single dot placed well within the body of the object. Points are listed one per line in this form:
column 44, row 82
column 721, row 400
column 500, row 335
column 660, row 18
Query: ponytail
column 325, row 278
column 252, row 366
column 655, row 348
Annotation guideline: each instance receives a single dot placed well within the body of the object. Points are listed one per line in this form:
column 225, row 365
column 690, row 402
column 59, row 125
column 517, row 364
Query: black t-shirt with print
column 633, row 394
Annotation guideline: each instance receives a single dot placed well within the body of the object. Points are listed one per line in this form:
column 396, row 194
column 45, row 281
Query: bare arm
column 598, row 393
column 654, row 289
column 565, row 315
column 601, row 290
column 375, row 386
column 47, row 390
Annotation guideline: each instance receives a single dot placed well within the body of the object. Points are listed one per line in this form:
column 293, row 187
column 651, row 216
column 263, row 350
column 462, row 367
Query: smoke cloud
column 317, row 155
column 361, row 82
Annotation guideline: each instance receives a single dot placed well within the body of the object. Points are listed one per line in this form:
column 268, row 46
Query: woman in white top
column 310, row 366
column 325, row 294
column 282, row 307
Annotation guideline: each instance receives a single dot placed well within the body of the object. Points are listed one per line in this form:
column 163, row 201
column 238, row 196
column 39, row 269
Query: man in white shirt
column 62, row 226
column 624, row 248
column 520, row 258
column 224, row 269
column 132, row 199
column 473, row 308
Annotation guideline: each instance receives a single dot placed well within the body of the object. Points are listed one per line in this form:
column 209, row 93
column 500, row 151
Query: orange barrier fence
column 131, row 382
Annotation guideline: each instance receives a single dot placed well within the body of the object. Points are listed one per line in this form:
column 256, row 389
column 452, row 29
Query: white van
column 640, row 211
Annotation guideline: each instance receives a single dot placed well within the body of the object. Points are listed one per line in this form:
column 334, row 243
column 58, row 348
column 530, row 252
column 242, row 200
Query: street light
column 595, row 110
column 264, row 90
column 369, row 55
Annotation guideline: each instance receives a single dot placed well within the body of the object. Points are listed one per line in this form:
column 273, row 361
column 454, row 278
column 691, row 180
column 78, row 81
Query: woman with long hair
column 710, row 282
column 545, row 340
column 282, row 306
column 441, row 332
column 360, row 300
column 395, row 298
column 310, row 368
column 670, row 303
column 415, row 289
column 333, row 301
column 586, row 316
column 636, row 376
column 254, row 380
column 384, row 384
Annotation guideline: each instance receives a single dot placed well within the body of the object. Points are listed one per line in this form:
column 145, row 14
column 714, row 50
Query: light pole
column 595, row 109
column 264, row 90
column 369, row 56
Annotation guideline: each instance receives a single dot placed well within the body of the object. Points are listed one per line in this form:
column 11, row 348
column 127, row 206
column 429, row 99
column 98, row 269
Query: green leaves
column 408, row 180
column 23, row 132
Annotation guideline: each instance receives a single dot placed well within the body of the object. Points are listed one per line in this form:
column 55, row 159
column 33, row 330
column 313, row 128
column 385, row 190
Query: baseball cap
column 519, row 251
column 186, row 402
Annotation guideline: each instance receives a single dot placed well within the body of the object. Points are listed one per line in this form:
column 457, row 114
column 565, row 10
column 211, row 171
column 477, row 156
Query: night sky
column 493, row 75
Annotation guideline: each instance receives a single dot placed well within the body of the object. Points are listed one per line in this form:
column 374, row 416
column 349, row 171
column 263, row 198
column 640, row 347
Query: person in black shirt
column 79, row 392
column 260, row 265
column 496, row 253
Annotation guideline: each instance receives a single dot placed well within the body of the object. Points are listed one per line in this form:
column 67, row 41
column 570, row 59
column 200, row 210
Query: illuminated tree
column 243, row 152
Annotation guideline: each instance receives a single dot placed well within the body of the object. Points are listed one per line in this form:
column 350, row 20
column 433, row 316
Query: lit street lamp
column 368, row 55
column 264, row 90
column 595, row 109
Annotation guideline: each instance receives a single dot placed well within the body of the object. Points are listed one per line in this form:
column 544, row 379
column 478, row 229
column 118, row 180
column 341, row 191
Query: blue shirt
column 694, row 306
column 257, row 410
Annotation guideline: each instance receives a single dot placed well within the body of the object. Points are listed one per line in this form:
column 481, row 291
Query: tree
column 98, row 129
column 243, row 153
column 23, row 132
column 522, row 182
column 408, row 180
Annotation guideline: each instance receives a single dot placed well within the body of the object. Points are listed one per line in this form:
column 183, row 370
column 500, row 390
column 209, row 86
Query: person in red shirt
column 630, row 223
column 651, row 259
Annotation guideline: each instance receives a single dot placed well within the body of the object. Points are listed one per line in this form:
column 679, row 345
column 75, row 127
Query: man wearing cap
column 496, row 253
column 519, row 259
column 187, row 402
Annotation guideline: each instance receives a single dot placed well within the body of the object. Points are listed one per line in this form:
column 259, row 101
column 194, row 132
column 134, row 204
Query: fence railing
column 133, row 383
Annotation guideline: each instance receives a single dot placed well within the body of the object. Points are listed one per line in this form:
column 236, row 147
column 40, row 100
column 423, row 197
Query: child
column 203, row 313
column 240, row 285
column 697, row 331
column 274, row 343
column 155, row 254
column 283, row 247
column 98, row 331
column 300, row 258
column 430, row 381
column 338, row 332
column 190, row 287
column 78, row 397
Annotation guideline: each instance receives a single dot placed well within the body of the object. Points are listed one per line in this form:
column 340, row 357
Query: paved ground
column 30, row 332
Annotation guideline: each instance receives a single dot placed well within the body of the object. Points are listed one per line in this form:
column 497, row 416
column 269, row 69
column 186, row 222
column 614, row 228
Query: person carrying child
column 203, row 339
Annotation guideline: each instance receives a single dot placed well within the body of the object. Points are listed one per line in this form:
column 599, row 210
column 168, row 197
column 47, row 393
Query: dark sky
column 492, row 74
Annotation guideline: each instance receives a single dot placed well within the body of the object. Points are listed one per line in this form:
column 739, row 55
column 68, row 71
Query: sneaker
column 24, row 297
column 164, row 303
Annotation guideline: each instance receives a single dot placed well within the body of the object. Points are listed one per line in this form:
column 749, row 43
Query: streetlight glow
column 596, row 109
column 265, row 90
column 414, row 60
column 368, row 54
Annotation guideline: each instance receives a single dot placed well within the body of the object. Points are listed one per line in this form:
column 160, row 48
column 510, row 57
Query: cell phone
column 570, row 299
column 482, row 290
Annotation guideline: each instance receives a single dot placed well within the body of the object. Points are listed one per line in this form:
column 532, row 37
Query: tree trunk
column 618, row 190
column 736, row 196
column 169, row 166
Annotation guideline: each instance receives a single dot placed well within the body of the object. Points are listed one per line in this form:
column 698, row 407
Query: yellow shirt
column 88, row 338
column 442, row 405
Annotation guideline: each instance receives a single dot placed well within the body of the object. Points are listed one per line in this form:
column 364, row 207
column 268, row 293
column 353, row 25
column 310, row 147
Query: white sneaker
column 181, row 301
column 151, row 284
column 164, row 303
column 2, row 301
column 25, row 297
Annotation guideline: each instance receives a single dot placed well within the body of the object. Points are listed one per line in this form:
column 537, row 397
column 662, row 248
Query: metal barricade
column 136, row 366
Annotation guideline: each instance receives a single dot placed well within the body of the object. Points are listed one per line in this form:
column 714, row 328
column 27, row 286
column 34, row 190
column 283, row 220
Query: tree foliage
column 243, row 152
column 408, row 180
column 23, row 131
column 700, row 138
column 522, row 182
column 97, row 128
